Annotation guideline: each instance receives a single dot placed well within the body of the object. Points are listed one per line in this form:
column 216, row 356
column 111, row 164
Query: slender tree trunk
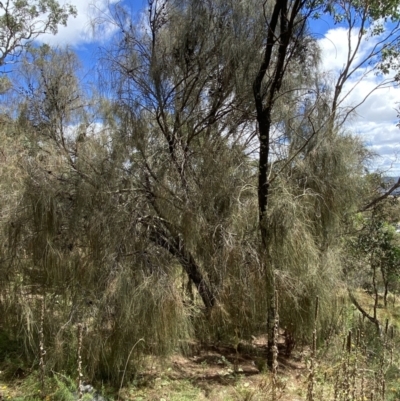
column 386, row 287
column 280, row 31
column 376, row 294
column 372, row 319
column 385, row 283
column 163, row 235
column 177, row 249
column 264, row 126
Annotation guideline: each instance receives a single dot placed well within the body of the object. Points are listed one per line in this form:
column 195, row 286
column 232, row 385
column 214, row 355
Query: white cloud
column 79, row 30
column 375, row 118
column 376, row 104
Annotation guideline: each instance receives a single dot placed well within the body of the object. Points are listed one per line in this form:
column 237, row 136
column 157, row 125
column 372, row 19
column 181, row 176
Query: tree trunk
column 177, row 249
column 279, row 35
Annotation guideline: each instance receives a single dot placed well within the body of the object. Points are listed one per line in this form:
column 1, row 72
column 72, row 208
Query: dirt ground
column 206, row 372
column 220, row 373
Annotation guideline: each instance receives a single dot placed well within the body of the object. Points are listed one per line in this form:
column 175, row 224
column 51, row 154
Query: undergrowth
column 355, row 363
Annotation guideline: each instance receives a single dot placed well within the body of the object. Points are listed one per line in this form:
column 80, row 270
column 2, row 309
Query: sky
column 375, row 120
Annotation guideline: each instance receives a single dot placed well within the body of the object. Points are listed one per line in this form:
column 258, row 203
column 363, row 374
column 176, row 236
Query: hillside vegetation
column 197, row 222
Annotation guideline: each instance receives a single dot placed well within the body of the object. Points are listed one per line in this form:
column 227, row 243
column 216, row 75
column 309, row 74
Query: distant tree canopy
column 22, row 21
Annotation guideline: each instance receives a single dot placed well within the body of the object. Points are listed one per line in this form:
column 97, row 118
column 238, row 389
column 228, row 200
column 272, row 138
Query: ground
column 209, row 372
column 220, row 373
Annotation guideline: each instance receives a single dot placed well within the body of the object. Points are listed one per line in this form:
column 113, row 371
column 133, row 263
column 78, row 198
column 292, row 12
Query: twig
column 126, row 365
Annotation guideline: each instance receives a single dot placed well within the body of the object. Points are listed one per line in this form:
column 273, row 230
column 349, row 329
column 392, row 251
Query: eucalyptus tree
column 21, row 22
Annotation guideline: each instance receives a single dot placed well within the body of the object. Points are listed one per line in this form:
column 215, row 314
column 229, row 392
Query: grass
column 178, row 379
column 239, row 389
column 206, row 376
column 221, row 373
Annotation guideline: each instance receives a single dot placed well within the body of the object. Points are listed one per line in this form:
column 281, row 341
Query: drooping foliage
column 137, row 212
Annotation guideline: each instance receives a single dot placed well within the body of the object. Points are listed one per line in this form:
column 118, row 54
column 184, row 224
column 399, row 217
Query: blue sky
column 375, row 120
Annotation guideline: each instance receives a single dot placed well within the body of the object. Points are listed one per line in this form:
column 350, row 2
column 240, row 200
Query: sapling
column 275, row 350
column 311, row 376
column 42, row 351
column 80, row 374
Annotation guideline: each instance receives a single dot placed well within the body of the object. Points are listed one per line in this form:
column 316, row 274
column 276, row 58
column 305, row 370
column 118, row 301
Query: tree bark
column 177, row 249
column 264, row 97
column 372, row 319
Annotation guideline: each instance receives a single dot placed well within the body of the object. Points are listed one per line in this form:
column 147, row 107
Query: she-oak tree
column 285, row 25
column 221, row 150
column 222, row 73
